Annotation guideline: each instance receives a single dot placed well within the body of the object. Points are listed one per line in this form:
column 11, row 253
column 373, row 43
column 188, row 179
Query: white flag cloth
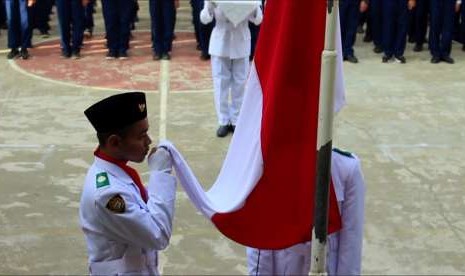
column 237, row 11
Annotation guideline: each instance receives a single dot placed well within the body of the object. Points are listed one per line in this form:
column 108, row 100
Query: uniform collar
column 113, row 169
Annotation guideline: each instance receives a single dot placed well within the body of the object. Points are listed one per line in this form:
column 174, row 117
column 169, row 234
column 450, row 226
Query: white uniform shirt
column 344, row 247
column 125, row 242
column 227, row 40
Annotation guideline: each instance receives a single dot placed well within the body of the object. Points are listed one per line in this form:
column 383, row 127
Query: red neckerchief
column 128, row 170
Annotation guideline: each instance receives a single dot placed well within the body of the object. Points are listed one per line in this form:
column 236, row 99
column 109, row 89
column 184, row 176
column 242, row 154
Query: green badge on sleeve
column 101, row 180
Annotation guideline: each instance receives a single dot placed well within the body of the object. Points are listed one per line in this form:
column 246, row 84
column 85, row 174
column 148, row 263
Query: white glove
column 160, row 161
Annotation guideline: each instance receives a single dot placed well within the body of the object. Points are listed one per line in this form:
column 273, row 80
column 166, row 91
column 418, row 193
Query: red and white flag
column 264, row 194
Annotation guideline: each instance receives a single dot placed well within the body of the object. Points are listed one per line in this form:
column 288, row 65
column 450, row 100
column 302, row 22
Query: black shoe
column 222, row 131
column 204, row 56
column 411, row 40
column 360, row 29
column 378, row 50
column 448, row 59
column 232, row 128
column 435, row 60
column 24, row 54
column 123, row 55
column 351, row 59
column 463, row 47
column 14, row 53
column 418, row 48
column 111, row 55
column 166, row 56
column 198, row 47
column 386, row 59
column 401, row 59
column 76, row 55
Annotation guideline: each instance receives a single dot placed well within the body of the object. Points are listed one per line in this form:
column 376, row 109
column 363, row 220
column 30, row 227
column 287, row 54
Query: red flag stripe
column 279, row 211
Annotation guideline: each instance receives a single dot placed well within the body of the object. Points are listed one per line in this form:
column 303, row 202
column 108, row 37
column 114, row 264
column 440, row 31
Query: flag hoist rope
column 324, row 142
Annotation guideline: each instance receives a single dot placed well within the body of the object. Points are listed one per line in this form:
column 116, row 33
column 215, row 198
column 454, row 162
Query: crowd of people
column 390, row 24
column 75, row 18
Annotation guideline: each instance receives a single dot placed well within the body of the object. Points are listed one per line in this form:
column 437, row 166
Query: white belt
column 129, row 264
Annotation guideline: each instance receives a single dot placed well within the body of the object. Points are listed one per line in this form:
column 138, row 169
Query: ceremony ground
column 405, row 122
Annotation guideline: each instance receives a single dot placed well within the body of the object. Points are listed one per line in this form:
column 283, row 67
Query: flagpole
column 324, row 142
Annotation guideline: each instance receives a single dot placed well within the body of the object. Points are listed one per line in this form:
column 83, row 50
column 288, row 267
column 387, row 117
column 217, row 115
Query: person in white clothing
column 125, row 224
column 229, row 49
column 344, row 247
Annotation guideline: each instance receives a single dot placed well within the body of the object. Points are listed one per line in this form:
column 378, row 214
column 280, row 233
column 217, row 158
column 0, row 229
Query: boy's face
column 136, row 143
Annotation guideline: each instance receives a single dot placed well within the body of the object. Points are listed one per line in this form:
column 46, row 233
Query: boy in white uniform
column 229, row 49
column 125, row 224
column 344, row 247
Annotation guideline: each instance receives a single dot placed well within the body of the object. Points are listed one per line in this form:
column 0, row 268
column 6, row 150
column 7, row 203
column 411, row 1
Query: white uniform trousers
column 229, row 75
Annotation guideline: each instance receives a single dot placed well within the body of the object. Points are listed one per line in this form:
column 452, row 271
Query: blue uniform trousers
column 195, row 4
column 395, row 24
column 462, row 24
column 70, row 15
column 117, row 15
column 421, row 21
column 349, row 12
column 2, row 13
column 89, row 11
column 134, row 16
column 202, row 31
column 162, row 17
column 19, row 24
column 376, row 15
column 205, row 34
column 442, row 24
column 42, row 9
column 254, row 31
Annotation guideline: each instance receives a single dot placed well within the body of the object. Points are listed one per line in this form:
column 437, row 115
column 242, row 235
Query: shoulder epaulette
column 101, row 180
column 345, row 153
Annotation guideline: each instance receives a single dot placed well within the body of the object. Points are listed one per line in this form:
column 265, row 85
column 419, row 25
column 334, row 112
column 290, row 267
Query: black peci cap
column 117, row 111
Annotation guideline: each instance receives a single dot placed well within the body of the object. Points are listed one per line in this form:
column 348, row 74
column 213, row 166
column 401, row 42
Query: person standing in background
column 117, row 17
column 202, row 31
column 349, row 11
column 162, row 16
column 421, row 14
column 19, row 27
column 230, row 50
column 89, row 11
column 441, row 29
column 42, row 10
column 395, row 27
column 71, row 16
column 376, row 15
